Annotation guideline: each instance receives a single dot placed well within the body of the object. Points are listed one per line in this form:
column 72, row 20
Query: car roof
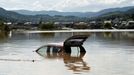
column 60, row 44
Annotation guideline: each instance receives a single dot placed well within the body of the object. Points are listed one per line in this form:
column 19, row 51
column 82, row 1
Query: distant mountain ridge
column 53, row 13
column 124, row 15
column 78, row 14
column 11, row 16
column 54, row 16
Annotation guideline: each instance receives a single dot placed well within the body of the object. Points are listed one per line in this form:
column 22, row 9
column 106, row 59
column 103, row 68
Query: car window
column 48, row 50
column 75, row 51
column 42, row 50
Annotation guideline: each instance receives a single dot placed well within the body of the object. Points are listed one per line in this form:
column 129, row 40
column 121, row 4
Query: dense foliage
column 46, row 26
column 107, row 26
column 3, row 27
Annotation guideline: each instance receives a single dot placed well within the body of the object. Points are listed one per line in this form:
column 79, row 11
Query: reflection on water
column 72, row 60
column 76, row 63
column 4, row 35
column 107, row 53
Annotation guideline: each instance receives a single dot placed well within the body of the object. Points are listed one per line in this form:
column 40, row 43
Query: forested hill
column 125, row 15
column 111, row 13
column 16, row 17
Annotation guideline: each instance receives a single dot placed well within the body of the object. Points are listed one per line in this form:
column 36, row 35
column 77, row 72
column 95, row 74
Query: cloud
column 24, row 4
column 68, row 4
column 64, row 5
column 86, row 4
column 132, row 1
column 37, row 5
column 110, row 1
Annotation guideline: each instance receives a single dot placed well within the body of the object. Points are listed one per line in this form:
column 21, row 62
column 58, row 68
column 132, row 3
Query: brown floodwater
column 107, row 53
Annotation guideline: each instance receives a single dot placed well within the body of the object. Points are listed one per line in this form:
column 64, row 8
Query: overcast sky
column 64, row 5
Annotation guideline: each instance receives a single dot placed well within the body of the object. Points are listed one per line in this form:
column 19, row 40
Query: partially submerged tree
column 46, row 26
column 3, row 27
column 107, row 26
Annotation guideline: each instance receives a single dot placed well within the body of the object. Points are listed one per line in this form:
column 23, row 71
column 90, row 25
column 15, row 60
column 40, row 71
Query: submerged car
column 74, row 41
column 67, row 51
